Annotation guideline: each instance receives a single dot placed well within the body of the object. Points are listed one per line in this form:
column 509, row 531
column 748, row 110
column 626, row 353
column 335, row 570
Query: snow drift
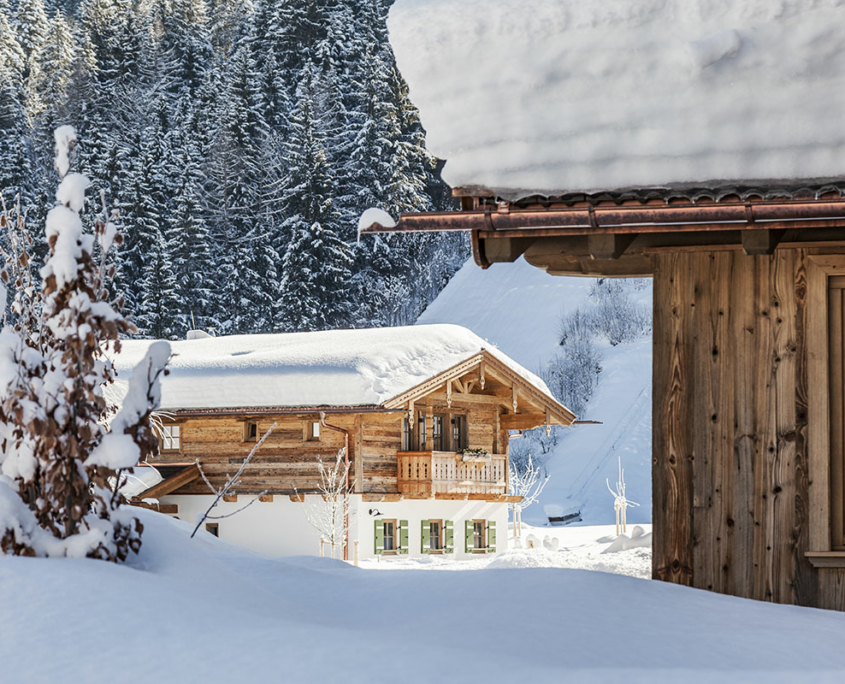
column 527, row 96
column 203, row 611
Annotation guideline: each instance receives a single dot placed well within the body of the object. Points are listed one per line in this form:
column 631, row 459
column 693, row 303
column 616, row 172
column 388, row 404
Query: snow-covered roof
column 551, row 96
column 331, row 368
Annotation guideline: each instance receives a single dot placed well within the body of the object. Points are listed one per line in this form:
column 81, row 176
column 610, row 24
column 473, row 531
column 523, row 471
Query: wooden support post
column 513, row 393
column 481, row 379
column 761, row 242
column 449, row 393
column 608, row 246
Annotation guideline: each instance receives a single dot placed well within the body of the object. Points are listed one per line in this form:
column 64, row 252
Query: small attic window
column 250, row 431
column 170, row 438
column 314, row 431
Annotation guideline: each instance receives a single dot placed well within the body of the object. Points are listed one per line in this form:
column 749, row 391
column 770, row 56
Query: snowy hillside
column 203, row 611
column 518, row 308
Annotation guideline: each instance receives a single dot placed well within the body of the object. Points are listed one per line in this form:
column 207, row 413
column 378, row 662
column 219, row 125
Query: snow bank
column 564, row 95
column 201, row 609
column 331, row 368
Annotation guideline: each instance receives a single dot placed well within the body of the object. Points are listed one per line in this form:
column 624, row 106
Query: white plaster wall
column 279, row 527
column 275, row 528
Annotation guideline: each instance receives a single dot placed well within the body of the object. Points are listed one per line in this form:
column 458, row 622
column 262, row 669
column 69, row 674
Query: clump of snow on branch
column 328, row 512
column 60, row 466
column 374, row 216
column 527, row 482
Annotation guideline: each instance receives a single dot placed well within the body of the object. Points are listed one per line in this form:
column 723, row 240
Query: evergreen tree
column 315, row 268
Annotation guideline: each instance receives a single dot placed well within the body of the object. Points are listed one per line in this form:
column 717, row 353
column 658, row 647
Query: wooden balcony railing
column 428, row 473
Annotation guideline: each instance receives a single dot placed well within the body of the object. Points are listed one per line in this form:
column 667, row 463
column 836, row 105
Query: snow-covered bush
column 616, row 316
column 57, row 457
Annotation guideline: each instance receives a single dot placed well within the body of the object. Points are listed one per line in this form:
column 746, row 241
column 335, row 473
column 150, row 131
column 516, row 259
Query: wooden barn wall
column 730, row 477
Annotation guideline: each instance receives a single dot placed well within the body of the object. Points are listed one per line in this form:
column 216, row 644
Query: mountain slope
column 518, row 308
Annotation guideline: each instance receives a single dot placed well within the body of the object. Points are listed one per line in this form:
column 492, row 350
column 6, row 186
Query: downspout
column 346, row 464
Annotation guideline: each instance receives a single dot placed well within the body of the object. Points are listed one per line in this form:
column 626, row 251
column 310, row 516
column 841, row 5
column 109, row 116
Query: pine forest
column 239, row 142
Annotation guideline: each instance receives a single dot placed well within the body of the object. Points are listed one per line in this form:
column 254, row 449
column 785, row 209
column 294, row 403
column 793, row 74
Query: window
column 213, row 528
column 407, row 435
column 478, row 536
column 170, row 438
column 314, row 431
column 250, row 431
column 389, row 527
column 422, row 431
column 435, row 531
column 459, row 433
column 437, row 432
column 826, row 408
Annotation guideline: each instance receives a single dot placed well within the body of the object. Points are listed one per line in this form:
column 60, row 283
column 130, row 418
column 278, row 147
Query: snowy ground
column 580, row 548
column 518, row 307
column 205, row 611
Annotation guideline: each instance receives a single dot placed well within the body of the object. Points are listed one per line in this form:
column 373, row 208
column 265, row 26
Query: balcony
column 445, row 475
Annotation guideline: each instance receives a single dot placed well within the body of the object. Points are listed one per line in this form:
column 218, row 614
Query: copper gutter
column 346, row 464
column 584, row 220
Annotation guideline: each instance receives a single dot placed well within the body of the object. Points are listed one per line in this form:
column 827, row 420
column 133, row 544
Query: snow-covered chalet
column 424, row 413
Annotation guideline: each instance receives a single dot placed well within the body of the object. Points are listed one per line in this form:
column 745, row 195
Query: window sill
column 826, row 559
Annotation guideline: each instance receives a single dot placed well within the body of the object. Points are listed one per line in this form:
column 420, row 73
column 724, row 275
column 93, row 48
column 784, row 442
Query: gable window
column 213, row 528
column 314, row 431
column 250, row 431
column 459, row 440
column 170, row 438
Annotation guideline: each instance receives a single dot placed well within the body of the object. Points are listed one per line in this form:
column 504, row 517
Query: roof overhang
column 616, row 239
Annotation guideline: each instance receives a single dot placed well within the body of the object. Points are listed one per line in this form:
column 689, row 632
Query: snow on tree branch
column 527, row 483
column 328, row 513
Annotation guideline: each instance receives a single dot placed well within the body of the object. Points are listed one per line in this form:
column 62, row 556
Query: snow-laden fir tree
column 315, row 268
column 57, row 458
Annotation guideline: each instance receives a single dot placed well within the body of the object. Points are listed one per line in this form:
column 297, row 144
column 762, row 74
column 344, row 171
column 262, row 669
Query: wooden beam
column 608, row 245
column 171, row 484
column 231, row 498
column 266, row 498
column 761, row 242
column 449, row 394
column 482, row 399
column 506, row 250
column 297, row 498
column 459, row 385
column 168, row 509
column 522, row 421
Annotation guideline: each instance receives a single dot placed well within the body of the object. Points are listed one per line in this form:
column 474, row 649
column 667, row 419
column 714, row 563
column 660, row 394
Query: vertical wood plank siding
column 731, row 488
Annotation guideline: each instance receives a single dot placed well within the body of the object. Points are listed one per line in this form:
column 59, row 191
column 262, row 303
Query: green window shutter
column 379, row 537
column 449, row 537
column 426, row 536
column 403, row 536
column 491, row 536
column 468, row 537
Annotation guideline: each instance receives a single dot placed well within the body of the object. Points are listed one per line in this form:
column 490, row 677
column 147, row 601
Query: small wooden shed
column 650, row 139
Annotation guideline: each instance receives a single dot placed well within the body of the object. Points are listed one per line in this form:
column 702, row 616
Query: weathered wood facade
column 749, row 369
column 391, row 448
